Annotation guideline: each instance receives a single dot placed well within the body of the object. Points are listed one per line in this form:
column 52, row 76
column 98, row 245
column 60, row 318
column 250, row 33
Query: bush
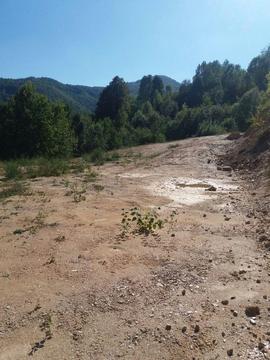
column 52, row 167
column 32, row 168
column 11, row 169
column 97, row 156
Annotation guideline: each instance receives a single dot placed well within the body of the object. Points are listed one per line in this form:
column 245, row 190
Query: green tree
column 259, row 67
column 34, row 126
column 245, row 109
column 146, row 89
column 114, row 97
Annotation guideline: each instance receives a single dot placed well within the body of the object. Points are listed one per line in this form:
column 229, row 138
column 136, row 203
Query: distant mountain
column 79, row 97
column 167, row 81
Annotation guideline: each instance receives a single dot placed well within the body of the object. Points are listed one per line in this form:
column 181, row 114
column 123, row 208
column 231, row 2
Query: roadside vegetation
column 222, row 97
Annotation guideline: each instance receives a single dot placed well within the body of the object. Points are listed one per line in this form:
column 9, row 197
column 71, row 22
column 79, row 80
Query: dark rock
column 184, row 329
column 252, row 311
column 230, row 352
column 263, row 238
column 168, row 327
column 224, row 302
column 226, row 168
column 211, row 188
column 197, row 328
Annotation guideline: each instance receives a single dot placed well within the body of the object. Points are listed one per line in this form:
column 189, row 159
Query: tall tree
column 146, row 89
column 112, row 99
column 259, row 67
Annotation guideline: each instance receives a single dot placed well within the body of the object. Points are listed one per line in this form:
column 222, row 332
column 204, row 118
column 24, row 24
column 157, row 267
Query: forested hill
column 80, row 98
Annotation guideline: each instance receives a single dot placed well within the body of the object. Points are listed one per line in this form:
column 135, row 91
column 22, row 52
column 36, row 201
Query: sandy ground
column 71, row 287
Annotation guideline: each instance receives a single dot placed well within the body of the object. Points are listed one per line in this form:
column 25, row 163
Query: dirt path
column 72, row 288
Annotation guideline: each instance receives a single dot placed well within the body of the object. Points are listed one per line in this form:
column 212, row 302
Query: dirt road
column 72, row 287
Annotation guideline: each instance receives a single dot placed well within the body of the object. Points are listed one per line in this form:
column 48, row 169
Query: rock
column 263, row 238
column 252, row 311
column 197, row 328
column 183, row 292
column 235, row 313
column 184, row 329
column 261, row 346
column 230, row 352
column 258, row 281
column 252, row 321
column 226, row 168
column 224, row 302
column 242, row 271
column 168, row 327
column 211, row 188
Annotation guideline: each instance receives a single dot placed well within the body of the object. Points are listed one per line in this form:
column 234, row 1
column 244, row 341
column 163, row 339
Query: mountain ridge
column 79, row 97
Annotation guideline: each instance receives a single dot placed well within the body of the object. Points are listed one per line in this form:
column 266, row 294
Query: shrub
column 145, row 222
column 52, row 167
column 32, row 168
column 97, row 156
column 12, row 170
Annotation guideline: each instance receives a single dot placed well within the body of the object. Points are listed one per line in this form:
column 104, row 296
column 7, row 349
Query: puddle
column 189, row 191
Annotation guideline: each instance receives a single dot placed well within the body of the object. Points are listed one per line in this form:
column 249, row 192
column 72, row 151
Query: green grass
column 11, row 169
column 32, row 168
column 99, row 156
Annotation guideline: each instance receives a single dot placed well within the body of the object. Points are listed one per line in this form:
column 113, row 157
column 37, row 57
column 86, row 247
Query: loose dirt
column 72, row 287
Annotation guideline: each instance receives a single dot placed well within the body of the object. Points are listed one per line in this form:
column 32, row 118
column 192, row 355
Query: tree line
column 221, row 97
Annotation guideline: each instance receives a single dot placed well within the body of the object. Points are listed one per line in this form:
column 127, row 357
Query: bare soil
column 73, row 287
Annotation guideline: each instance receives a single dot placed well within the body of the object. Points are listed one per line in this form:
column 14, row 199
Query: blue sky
column 90, row 41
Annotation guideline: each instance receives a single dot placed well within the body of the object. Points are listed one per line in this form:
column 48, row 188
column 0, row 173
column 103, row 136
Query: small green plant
column 38, row 222
column 90, row 176
column 78, row 192
column 144, row 222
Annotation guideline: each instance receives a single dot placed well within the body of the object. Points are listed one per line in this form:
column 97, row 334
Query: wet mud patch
column 189, row 191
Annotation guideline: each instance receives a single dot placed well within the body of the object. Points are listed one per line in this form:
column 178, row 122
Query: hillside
column 80, row 98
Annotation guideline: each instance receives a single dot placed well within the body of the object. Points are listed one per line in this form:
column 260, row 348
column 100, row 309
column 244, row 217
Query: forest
column 221, row 98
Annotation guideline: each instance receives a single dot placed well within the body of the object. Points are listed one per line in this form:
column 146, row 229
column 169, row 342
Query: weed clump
column 144, row 222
